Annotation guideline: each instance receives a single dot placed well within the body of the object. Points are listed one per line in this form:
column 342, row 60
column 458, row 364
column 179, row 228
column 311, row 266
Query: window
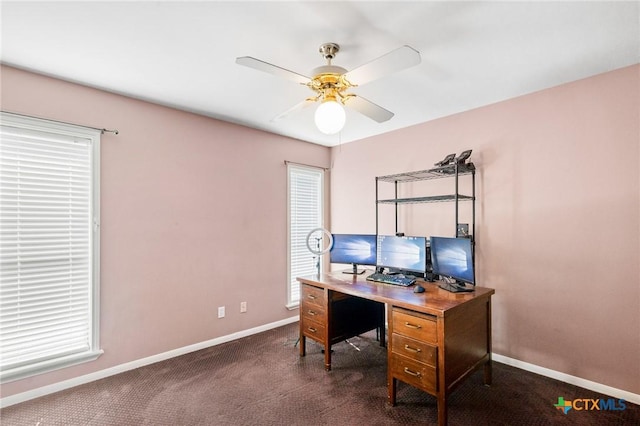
column 49, row 245
column 305, row 214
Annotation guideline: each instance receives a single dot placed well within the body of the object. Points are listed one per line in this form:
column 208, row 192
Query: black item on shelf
column 449, row 158
column 463, row 156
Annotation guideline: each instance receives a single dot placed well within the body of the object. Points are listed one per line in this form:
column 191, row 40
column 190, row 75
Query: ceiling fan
column 331, row 84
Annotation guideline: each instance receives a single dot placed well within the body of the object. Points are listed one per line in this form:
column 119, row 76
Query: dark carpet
column 261, row 380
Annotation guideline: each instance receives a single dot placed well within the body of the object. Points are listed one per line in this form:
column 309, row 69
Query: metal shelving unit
column 452, row 171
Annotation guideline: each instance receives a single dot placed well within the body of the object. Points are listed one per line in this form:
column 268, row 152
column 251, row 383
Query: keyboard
column 391, row 279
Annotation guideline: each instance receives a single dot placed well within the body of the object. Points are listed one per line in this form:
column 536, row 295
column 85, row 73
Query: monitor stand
column 354, row 271
column 455, row 286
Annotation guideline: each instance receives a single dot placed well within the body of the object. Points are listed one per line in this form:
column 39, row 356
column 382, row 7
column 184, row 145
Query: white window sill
column 48, row 365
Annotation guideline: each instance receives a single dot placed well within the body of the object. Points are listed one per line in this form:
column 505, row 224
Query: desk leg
column 303, row 345
column 391, row 388
column 327, row 357
column 442, row 408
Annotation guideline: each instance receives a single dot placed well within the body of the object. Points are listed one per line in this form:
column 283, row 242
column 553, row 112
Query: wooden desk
column 436, row 338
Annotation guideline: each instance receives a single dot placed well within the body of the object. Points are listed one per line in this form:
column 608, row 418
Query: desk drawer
column 313, row 296
column 313, row 312
column 417, row 326
column 313, row 329
column 414, row 349
column 417, row 374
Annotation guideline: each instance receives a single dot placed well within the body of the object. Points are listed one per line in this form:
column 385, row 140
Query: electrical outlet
column 243, row 306
column 221, row 312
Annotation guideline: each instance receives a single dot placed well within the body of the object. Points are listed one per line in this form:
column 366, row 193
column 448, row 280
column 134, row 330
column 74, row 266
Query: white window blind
column 49, row 269
column 305, row 214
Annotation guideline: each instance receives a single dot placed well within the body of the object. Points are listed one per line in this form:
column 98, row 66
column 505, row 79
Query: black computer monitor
column 402, row 254
column 353, row 249
column 452, row 259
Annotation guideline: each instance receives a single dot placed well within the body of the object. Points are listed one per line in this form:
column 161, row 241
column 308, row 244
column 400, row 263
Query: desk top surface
column 434, row 300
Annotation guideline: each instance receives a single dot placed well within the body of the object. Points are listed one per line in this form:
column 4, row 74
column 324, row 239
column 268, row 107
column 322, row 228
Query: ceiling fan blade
column 300, row 106
column 259, row 65
column 368, row 108
column 396, row 60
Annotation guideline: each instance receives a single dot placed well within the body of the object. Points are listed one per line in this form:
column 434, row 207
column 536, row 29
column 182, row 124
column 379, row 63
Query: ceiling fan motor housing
column 328, row 83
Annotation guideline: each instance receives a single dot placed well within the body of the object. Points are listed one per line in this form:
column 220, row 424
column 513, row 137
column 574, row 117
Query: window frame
column 94, row 351
column 291, row 167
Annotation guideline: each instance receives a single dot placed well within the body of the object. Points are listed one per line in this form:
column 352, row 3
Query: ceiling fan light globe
column 330, row 117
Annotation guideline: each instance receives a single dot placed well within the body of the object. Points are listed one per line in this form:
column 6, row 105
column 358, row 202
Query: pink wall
column 191, row 209
column 558, row 218
column 558, row 226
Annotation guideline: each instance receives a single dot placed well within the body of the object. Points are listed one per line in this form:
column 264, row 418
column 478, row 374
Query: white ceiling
column 182, row 54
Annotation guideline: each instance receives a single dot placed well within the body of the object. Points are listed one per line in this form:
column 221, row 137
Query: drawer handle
column 412, row 373
column 313, row 330
column 311, row 296
column 312, row 313
column 410, row 349
column 414, row 326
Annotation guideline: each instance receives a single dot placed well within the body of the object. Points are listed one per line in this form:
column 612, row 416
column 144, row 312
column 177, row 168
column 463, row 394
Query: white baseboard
column 56, row 387
column 567, row 378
